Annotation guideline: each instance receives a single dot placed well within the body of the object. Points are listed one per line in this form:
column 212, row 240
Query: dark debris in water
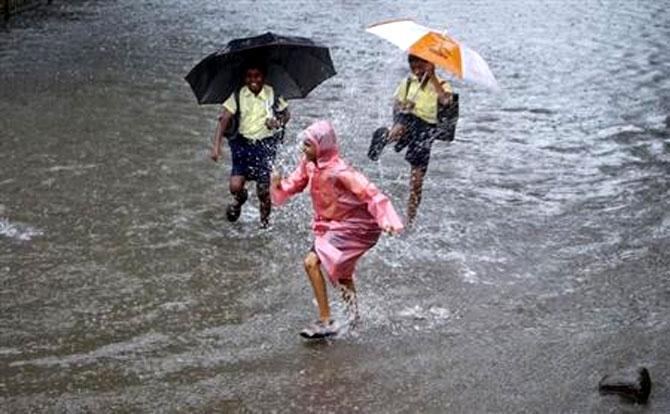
column 633, row 385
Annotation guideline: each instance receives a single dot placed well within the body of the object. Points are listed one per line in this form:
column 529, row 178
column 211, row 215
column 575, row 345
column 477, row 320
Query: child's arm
column 377, row 203
column 282, row 189
column 221, row 126
column 280, row 119
column 281, row 114
column 284, row 116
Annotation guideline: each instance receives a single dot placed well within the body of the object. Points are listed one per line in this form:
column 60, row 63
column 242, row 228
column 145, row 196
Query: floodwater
column 539, row 262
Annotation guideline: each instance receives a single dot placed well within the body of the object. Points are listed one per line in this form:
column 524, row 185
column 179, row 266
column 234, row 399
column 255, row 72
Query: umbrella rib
column 274, row 45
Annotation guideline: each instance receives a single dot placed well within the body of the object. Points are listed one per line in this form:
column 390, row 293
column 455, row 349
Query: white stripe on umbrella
column 402, row 33
column 406, row 33
column 475, row 68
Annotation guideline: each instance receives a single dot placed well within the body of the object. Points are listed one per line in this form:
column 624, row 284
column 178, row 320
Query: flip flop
column 235, row 208
column 233, row 212
column 319, row 330
column 378, row 143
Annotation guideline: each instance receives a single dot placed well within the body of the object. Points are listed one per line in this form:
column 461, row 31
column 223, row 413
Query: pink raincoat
column 349, row 211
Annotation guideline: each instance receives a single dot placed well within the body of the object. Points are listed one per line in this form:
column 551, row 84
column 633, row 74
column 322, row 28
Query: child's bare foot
column 350, row 307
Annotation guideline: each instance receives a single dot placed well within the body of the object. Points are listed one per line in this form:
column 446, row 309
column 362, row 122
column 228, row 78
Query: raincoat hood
column 322, row 135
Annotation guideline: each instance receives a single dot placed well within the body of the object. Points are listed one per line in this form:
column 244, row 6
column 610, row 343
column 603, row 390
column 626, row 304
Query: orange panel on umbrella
column 440, row 50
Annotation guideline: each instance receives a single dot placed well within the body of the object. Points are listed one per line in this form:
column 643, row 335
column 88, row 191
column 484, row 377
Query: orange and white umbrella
column 438, row 48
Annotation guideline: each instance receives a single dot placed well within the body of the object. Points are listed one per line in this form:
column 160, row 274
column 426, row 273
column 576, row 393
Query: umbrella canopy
column 438, row 48
column 294, row 66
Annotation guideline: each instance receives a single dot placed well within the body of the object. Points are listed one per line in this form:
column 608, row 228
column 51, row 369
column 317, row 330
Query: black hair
column 256, row 64
column 414, row 58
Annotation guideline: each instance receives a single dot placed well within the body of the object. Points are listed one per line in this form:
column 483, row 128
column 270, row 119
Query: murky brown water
column 540, row 261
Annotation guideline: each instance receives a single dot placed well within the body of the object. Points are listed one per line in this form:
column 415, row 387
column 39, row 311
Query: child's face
column 254, row 80
column 309, row 150
column 419, row 67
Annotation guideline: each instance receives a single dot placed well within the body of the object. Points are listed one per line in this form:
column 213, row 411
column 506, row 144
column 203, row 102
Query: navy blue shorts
column 253, row 159
column 418, row 139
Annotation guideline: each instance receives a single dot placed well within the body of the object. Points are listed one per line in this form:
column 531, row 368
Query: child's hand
column 408, row 106
column 391, row 231
column 216, row 153
column 275, row 179
column 272, row 123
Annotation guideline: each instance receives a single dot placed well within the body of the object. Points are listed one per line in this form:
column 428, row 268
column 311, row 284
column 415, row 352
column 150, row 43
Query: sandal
column 233, row 212
column 379, row 140
column 319, row 330
column 234, row 209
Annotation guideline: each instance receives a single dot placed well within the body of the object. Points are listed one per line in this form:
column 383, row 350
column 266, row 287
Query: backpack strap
column 234, row 124
column 239, row 108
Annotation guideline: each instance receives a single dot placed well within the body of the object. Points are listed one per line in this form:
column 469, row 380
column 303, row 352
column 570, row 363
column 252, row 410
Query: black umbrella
column 294, row 65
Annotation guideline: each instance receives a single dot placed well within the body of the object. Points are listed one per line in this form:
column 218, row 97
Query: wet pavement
column 539, row 262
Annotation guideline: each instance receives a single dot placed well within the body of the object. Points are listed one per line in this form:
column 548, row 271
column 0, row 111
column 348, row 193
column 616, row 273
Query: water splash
column 18, row 231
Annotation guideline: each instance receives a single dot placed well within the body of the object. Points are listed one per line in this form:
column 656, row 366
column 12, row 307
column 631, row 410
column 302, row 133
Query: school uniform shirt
column 425, row 100
column 255, row 110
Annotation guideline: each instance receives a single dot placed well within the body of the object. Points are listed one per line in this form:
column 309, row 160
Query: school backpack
column 447, row 116
column 234, row 124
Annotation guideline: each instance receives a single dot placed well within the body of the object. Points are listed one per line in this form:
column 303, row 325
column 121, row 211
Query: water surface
column 539, row 261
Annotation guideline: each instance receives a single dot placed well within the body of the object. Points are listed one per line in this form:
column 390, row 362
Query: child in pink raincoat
column 349, row 216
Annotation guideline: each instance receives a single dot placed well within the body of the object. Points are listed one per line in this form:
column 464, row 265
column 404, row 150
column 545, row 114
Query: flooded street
column 539, row 262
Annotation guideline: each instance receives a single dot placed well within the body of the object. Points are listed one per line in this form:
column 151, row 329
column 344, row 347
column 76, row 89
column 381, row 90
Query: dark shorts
column 418, row 139
column 253, row 159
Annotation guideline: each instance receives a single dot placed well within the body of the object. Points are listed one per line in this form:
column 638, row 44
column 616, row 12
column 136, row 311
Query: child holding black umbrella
column 294, row 65
column 256, row 115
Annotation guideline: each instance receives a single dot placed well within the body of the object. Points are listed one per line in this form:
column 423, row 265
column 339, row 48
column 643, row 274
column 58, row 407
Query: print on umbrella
column 437, row 47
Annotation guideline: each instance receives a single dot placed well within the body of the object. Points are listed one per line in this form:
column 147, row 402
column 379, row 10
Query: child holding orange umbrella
column 416, row 109
column 425, row 108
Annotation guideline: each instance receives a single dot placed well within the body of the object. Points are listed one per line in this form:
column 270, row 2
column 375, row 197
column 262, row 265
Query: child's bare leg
column 416, row 188
column 313, row 269
column 348, row 292
column 265, row 205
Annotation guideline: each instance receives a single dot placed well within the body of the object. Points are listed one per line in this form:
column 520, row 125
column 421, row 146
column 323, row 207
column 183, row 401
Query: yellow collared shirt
column 425, row 100
column 255, row 110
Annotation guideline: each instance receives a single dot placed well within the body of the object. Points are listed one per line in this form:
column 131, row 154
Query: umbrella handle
column 424, row 78
column 412, row 98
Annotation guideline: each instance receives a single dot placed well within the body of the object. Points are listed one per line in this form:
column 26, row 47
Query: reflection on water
column 539, row 261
